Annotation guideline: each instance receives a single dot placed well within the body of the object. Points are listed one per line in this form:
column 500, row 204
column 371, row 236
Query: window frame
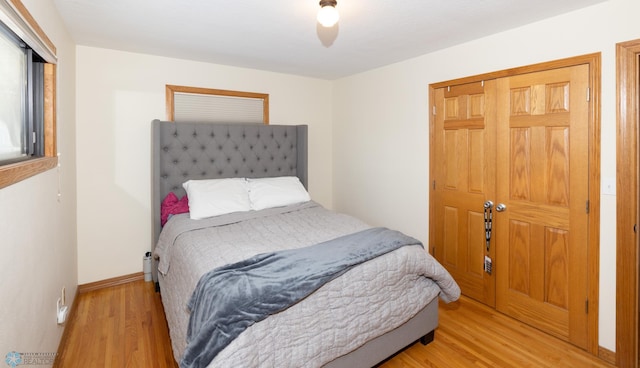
column 18, row 171
column 170, row 91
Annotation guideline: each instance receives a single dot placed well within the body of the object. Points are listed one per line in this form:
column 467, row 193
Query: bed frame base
column 386, row 346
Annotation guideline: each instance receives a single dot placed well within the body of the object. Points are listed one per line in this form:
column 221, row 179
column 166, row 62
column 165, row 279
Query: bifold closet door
column 464, row 164
column 520, row 142
column 542, row 178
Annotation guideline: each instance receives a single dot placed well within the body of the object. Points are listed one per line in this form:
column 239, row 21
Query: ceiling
column 284, row 36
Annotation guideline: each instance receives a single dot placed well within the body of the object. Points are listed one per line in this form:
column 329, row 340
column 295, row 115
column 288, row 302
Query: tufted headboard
column 184, row 151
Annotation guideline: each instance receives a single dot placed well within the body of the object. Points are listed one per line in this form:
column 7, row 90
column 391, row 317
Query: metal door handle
column 501, row 207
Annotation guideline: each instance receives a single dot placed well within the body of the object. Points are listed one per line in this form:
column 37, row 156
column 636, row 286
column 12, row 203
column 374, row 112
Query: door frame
column 593, row 262
column 627, row 64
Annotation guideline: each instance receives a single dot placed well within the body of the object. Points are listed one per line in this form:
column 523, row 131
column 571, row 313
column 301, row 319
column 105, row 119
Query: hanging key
column 488, row 219
column 488, row 223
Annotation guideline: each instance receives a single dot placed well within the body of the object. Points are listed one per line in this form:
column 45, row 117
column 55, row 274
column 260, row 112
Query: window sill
column 13, row 173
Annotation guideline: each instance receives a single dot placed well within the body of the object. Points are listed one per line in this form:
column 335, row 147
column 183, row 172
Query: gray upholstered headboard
column 185, row 151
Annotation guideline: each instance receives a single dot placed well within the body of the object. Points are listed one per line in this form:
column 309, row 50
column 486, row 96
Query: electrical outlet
column 61, row 312
column 61, row 309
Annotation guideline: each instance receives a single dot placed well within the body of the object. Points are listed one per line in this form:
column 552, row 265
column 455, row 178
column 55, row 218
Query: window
column 191, row 104
column 21, row 100
column 27, row 96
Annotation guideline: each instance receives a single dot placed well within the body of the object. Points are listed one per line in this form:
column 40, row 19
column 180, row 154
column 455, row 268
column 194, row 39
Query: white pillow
column 276, row 192
column 214, row 197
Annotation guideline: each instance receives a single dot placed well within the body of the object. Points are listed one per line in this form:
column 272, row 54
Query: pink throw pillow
column 171, row 205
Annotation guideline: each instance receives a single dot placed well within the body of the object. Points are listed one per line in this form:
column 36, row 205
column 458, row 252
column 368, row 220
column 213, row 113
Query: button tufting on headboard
column 184, row 151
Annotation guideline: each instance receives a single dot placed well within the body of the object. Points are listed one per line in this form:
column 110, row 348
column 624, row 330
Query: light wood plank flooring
column 119, row 326
column 124, row 326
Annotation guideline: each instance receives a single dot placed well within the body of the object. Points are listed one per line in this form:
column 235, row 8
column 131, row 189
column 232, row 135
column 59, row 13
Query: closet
column 511, row 206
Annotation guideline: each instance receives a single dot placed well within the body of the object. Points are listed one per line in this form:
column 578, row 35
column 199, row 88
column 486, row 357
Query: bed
column 360, row 317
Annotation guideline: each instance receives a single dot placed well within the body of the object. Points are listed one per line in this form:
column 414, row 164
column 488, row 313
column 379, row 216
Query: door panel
column 465, row 179
column 542, row 177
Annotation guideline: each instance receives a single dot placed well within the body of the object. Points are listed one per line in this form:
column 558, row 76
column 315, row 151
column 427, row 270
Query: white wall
column 119, row 93
column 381, row 123
column 38, row 231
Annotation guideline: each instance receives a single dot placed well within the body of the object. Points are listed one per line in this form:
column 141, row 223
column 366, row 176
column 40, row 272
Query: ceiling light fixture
column 328, row 15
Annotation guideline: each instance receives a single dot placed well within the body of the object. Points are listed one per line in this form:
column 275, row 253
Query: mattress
column 365, row 302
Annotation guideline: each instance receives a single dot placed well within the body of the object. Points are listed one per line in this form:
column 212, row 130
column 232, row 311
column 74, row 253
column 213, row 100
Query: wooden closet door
column 464, row 165
column 542, row 178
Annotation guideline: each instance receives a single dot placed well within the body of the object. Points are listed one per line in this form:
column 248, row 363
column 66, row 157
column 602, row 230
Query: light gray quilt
column 231, row 298
column 366, row 301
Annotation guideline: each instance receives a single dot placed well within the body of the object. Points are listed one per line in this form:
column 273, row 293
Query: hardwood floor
column 118, row 326
column 472, row 335
column 124, row 326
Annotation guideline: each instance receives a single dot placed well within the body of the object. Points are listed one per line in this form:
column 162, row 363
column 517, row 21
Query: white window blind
column 196, row 107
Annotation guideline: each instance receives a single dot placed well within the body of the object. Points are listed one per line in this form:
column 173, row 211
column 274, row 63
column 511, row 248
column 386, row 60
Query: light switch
column 609, row 186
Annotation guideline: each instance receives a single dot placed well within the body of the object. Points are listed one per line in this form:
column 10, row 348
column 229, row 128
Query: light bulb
column 328, row 16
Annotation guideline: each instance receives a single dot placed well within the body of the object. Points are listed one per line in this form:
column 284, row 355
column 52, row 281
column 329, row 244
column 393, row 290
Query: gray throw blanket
column 231, row 298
